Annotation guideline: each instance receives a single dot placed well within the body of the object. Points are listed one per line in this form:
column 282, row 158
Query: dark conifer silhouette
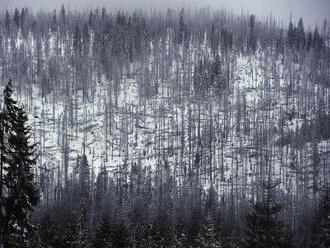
column 102, row 234
column 321, row 227
column 263, row 229
column 19, row 157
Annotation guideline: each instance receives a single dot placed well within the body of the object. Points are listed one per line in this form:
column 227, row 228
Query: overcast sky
column 313, row 11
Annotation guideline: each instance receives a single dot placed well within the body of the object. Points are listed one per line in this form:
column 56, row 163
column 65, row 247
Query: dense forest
column 178, row 128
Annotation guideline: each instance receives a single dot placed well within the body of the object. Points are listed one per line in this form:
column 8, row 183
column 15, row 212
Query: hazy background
column 313, row 11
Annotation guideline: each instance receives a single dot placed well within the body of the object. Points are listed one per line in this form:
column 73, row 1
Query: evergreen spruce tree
column 309, row 40
column 216, row 76
column 252, row 41
column 63, row 14
column 19, row 157
column 119, row 234
column 77, row 46
column 16, row 18
column 102, row 234
column 301, row 40
column 7, row 21
column 290, row 35
column 200, row 79
column 321, row 227
column 262, row 229
column 75, row 235
column 84, row 180
column 181, row 27
column 208, row 237
column 50, row 233
column 71, row 234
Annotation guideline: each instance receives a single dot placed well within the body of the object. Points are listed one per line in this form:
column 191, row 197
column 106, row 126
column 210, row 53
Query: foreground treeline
column 164, row 129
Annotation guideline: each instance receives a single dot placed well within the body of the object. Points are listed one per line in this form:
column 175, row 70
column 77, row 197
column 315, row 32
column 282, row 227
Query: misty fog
column 313, row 12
